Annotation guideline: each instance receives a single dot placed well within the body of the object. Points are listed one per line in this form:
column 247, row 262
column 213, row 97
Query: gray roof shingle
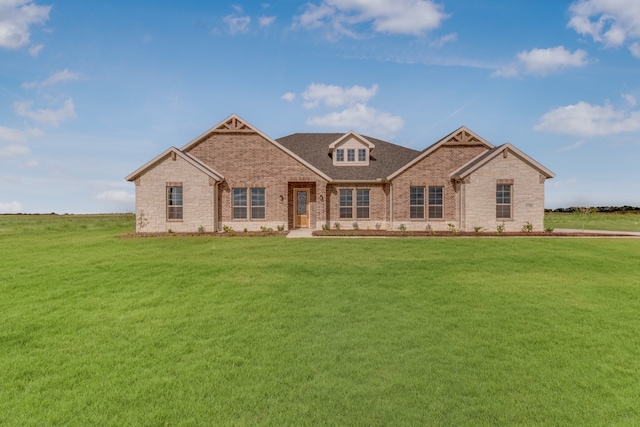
column 385, row 158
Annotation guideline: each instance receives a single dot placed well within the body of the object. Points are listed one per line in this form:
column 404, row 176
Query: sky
column 91, row 90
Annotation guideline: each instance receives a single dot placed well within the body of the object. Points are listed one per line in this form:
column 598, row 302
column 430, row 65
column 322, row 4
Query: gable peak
column 234, row 124
column 464, row 136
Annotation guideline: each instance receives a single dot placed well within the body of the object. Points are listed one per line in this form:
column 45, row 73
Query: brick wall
column 247, row 160
column 479, row 195
column 151, row 197
column 433, row 170
column 378, row 206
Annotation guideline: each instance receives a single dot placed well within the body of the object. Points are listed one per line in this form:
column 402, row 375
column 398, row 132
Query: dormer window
column 357, row 149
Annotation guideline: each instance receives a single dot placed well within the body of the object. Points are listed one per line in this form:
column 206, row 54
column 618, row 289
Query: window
column 416, row 202
column 362, row 155
column 351, row 155
column 346, row 204
column 239, row 203
column 340, row 155
column 435, row 202
column 174, row 203
column 258, row 203
column 362, row 203
column 503, row 201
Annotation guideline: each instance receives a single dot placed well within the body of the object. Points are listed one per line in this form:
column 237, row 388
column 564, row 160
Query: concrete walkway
column 300, row 233
column 570, row 230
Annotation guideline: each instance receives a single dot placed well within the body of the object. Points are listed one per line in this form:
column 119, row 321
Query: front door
column 301, row 198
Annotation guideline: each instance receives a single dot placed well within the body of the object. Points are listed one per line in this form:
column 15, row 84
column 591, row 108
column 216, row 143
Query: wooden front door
column 301, row 200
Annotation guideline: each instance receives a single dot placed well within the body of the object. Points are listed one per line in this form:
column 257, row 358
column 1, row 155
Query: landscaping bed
column 398, row 233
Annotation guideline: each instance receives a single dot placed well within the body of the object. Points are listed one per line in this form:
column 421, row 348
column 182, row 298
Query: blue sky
column 89, row 90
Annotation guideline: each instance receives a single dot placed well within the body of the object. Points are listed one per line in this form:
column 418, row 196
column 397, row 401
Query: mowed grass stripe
column 240, row 331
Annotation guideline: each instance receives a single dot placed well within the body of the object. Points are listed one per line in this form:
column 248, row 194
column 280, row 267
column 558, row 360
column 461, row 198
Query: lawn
column 615, row 221
column 101, row 330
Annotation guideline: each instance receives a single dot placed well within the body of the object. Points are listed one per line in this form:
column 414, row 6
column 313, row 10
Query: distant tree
column 585, row 213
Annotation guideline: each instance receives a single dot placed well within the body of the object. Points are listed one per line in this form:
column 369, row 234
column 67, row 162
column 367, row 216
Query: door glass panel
column 302, row 202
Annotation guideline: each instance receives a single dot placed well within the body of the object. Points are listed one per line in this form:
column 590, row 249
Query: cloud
column 542, row 62
column 583, row 119
column 336, row 96
column 237, row 24
column 18, row 135
column 14, row 151
column 48, row 117
column 610, row 22
column 439, row 42
column 16, row 16
column 35, row 50
column 60, row 76
column 631, row 100
column 265, row 21
column 289, row 96
column 10, row 207
column 360, row 117
column 409, row 17
column 572, row 146
column 635, row 49
column 116, row 196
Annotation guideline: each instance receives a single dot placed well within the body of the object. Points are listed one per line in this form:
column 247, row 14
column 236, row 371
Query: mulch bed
column 231, row 234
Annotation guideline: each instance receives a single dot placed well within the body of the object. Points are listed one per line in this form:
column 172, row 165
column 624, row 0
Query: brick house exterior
column 234, row 175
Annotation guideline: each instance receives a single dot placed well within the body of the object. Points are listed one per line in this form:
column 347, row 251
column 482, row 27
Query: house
column 236, row 176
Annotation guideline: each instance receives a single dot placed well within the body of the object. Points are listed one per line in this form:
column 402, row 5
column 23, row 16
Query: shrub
column 227, row 229
column 402, row 228
column 201, row 229
column 478, row 229
column 142, row 220
column 452, row 228
column 500, row 228
column 170, row 231
column 325, row 227
column 281, row 227
column 336, row 225
column 548, row 230
column 266, row 229
column 355, row 225
column 527, row 227
column 378, row 225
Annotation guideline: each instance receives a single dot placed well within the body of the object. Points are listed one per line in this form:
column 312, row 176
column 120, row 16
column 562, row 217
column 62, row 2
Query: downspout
column 215, row 207
column 390, row 205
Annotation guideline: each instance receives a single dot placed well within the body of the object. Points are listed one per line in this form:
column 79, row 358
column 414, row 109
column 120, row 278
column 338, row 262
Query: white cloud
column 336, row 96
column 116, row 196
column 237, row 24
column 360, row 117
column 31, row 163
column 543, row 62
column 572, row 146
column 289, row 96
column 438, row 43
column 610, row 22
column 588, row 120
column 14, row 151
column 16, row 16
column 265, row 21
column 413, row 17
column 10, row 207
column 35, row 50
column 631, row 100
column 635, row 49
column 546, row 61
column 60, row 76
column 18, row 135
column 49, row 117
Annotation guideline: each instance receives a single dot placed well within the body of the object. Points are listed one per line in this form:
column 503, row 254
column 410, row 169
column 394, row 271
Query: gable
column 462, row 138
column 504, row 150
column 173, row 154
column 351, row 150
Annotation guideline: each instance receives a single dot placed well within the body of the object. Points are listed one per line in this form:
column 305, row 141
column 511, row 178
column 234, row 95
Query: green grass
column 617, row 221
column 99, row 330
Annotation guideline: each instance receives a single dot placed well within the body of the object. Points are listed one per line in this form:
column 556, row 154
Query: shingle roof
column 314, row 149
